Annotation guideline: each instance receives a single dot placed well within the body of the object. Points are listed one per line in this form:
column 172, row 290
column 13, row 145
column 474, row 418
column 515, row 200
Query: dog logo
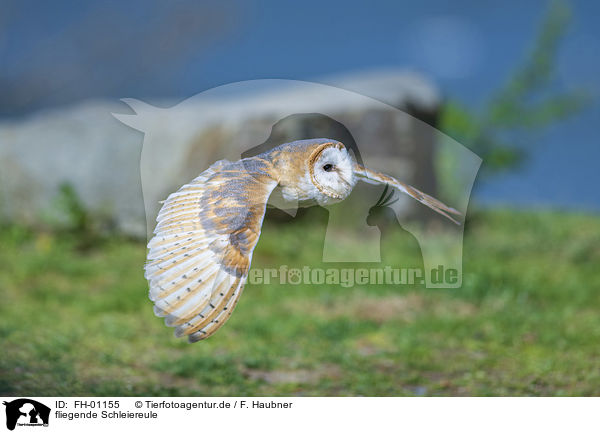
column 26, row 412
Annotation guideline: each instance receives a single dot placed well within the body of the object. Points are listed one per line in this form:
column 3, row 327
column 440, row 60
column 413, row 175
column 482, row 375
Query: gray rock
column 82, row 145
column 104, row 160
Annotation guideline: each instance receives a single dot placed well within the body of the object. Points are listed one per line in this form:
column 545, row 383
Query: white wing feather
column 199, row 258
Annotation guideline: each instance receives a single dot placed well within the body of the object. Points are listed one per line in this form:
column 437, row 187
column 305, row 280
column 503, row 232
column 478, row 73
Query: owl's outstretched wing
column 370, row 176
column 199, row 258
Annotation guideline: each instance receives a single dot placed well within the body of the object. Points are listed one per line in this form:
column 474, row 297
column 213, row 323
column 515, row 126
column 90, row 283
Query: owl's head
column 330, row 168
column 318, row 169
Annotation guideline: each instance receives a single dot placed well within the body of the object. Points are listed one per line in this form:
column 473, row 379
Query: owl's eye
column 327, row 167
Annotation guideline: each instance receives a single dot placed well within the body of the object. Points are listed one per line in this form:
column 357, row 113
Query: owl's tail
column 373, row 177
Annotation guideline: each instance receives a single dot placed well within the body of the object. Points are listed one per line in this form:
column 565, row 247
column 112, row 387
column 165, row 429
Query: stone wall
column 111, row 164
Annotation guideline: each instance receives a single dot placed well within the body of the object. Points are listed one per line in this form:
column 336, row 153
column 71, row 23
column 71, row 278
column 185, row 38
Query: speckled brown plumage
column 206, row 232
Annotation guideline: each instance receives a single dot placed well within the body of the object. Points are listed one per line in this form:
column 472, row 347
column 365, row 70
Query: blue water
column 53, row 53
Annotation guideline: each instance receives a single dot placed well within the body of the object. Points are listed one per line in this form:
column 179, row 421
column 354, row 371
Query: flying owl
column 200, row 255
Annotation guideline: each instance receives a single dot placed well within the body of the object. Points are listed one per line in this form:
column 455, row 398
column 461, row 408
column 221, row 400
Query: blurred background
column 516, row 83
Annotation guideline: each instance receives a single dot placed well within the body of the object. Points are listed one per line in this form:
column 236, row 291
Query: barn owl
column 199, row 257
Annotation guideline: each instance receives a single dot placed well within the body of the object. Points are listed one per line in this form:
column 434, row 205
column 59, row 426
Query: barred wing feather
column 200, row 254
column 373, row 177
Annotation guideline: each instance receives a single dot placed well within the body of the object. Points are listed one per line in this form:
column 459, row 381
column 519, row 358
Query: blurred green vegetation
column 504, row 130
column 68, row 215
column 525, row 322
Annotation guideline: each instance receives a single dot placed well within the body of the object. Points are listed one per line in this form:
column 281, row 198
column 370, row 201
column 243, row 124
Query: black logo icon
column 26, row 412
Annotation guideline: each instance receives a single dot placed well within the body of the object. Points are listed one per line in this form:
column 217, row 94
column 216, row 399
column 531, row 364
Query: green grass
column 526, row 321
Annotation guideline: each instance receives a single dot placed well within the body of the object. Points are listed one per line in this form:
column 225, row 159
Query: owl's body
column 199, row 258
